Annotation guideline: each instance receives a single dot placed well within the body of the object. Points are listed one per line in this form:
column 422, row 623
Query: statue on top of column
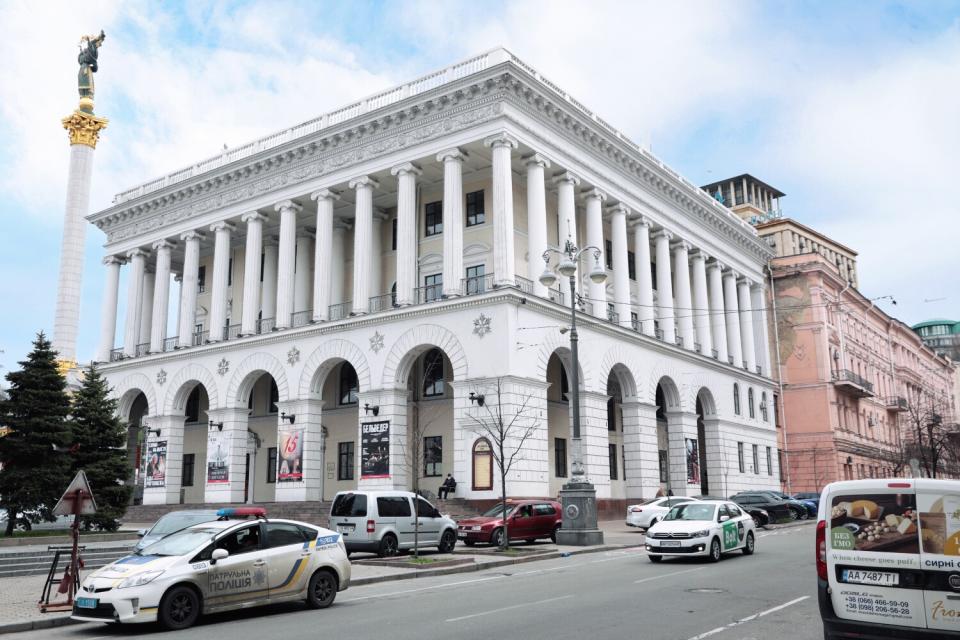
column 89, row 48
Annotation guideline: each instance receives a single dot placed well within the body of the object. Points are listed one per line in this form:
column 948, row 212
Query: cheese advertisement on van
column 939, row 512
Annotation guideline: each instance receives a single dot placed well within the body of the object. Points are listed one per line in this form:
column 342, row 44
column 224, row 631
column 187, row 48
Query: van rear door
column 938, row 504
column 873, row 552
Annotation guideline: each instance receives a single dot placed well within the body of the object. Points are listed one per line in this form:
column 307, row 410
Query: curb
column 788, row 525
column 33, row 625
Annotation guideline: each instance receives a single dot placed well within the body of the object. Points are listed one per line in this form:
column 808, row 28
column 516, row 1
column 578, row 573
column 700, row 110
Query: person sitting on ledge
column 448, row 485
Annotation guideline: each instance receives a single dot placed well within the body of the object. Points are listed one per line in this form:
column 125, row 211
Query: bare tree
column 507, row 434
column 928, row 436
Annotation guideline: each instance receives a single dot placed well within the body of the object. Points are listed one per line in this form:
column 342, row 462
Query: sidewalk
column 20, row 595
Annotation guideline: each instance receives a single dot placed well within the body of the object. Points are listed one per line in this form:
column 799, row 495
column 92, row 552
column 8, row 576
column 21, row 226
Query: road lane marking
column 667, row 575
column 514, row 606
column 436, row 586
column 755, row 616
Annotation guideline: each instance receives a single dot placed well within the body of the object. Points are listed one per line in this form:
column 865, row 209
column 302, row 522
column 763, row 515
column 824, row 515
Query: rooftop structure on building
column 788, row 237
column 941, row 335
column 751, row 199
column 364, row 277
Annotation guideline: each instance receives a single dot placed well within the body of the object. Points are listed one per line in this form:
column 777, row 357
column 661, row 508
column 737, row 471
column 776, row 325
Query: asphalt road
column 620, row 594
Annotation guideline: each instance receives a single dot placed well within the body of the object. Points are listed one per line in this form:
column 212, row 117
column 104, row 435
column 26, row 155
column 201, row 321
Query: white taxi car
column 217, row 566
column 701, row 528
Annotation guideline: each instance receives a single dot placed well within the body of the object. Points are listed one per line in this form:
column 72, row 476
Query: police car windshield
column 691, row 512
column 177, row 521
column 180, row 543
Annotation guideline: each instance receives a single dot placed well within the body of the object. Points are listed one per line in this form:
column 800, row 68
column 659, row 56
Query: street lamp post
column 578, row 497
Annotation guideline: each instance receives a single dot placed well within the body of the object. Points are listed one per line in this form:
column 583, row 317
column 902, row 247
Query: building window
column 186, row 479
column 345, row 461
column 433, row 219
column 631, row 265
column 769, row 461
column 612, row 454
column 780, row 465
column 611, row 414
column 662, row 461
column 756, row 458
column 271, row 465
column 743, row 467
column 608, row 253
column 202, row 278
column 475, row 282
column 634, row 320
column 475, row 214
column 564, row 384
column 348, row 384
column 230, row 273
column 750, row 403
column 560, row 457
column 433, row 287
column 653, row 274
column 432, row 456
column 763, row 407
column 193, row 406
column 736, row 398
column 433, row 374
column 274, row 397
column 393, row 234
column 263, row 259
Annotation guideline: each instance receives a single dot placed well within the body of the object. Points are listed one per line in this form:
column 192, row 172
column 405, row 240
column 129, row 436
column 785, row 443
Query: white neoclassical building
column 350, row 281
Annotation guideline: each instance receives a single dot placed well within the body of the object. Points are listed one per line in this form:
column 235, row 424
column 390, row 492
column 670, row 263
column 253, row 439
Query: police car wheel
column 179, row 608
column 655, row 559
column 388, row 546
column 447, row 542
column 749, row 546
column 715, row 550
column 322, row 590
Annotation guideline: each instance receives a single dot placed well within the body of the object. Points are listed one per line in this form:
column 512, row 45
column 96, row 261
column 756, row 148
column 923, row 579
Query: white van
column 888, row 558
column 382, row 522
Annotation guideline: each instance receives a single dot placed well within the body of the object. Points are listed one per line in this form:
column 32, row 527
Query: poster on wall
column 693, row 461
column 156, row 465
column 218, row 471
column 290, row 455
column 375, row 449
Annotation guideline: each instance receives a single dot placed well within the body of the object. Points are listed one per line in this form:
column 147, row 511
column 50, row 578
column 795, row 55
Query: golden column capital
column 84, row 128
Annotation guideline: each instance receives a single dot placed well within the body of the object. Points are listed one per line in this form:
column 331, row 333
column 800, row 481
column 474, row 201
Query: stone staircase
column 37, row 561
column 457, row 508
column 310, row 512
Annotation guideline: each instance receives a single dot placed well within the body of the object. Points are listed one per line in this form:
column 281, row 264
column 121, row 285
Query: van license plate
column 86, row 603
column 880, row 578
column 346, row 529
column 669, row 543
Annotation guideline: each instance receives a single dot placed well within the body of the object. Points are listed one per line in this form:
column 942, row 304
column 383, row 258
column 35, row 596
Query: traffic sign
column 79, row 488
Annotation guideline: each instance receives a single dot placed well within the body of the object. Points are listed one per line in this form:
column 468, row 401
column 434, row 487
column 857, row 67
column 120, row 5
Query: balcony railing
column 555, row 295
column 429, row 293
column 383, row 303
column 698, row 347
column 200, row 337
column 658, row 332
column 116, row 355
column 853, row 382
column 613, row 316
column 265, row 325
column 232, row 332
column 524, row 284
column 897, row 403
column 141, row 349
column 715, row 354
column 301, row 318
column 759, row 370
column 635, row 324
column 478, row 284
column 678, row 339
column 170, row 343
column 340, row 311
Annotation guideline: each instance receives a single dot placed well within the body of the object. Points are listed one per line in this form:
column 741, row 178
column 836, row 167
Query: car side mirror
column 218, row 554
column 141, row 533
column 724, row 518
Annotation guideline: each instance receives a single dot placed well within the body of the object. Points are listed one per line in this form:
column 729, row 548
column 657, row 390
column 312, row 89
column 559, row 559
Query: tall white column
column 178, row 278
column 338, row 279
column 362, row 237
column 665, row 315
column 598, row 291
column 504, row 267
column 621, row 271
column 701, row 303
column 108, row 314
column 718, row 319
column 146, row 302
column 268, row 290
column 303, row 286
column 161, row 296
column 285, row 262
column 406, row 174
column 452, row 160
column 376, row 253
column 641, row 241
column 323, row 253
column 746, row 325
column 251, row 272
column 682, row 309
column 137, row 258
column 221, row 266
column 188, row 288
column 762, row 341
column 536, row 220
column 732, row 315
column 567, row 219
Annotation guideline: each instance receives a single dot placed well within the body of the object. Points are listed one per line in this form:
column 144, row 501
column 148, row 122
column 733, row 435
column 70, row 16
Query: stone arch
column 555, row 342
column 129, row 388
column 249, row 371
column 413, row 343
column 707, row 401
column 671, row 376
column 183, row 383
column 671, row 392
column 322, row 361
column 623, row 368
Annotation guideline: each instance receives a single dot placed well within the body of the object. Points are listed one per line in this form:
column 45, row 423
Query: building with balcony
column 361, row 279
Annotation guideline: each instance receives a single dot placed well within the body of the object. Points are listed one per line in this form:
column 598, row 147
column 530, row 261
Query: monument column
column 108, row 319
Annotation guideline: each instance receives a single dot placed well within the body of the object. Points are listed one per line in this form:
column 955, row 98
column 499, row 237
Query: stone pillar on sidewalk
column 681, row 426
column 300, row 440
column 641, row 471
column 391, row 408
column 166, row 491
column 225, row 473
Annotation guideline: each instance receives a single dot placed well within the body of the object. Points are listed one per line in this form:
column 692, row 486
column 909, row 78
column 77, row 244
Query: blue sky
column 848, row 107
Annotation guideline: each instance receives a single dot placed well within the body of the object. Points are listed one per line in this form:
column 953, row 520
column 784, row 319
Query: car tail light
column 636, row 510
column 822, row 549
column 371, row 526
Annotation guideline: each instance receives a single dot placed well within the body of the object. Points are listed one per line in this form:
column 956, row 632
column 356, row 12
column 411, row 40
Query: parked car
column 776, row 509
column 760, row 516
column 886, row 559
column 217, row 566
column 647, row 513
column 809, row 506
column 30, row 520
column 382, row 522
column 701, row 528
column 811, row 496
column 528, row 520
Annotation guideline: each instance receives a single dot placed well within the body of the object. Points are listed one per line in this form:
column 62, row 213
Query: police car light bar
column 234, row 512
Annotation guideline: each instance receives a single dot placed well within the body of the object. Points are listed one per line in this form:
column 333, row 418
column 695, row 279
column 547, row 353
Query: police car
column 218, row 566
column 701, row 528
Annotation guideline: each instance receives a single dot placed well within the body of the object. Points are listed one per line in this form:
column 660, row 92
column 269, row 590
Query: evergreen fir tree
column 36, row 465
column 100, row 440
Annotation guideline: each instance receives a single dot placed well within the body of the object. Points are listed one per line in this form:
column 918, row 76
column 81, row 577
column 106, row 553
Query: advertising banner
column 218, row 451
column 693, row 461
column 156, row 475
column 290, row 455
column 375, row 449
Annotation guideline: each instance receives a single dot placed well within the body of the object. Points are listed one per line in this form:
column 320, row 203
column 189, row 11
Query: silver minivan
column 383, row 522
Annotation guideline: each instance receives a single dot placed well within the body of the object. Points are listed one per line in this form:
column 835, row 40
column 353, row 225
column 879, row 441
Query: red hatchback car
column 527, row 520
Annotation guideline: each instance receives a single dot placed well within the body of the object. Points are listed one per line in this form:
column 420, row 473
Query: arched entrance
column 136, row 441
column 702, row 442
column 667, row 399
column 558, row 422
column 429, row 450
column 713, row 468
column 194, row 409
column 262, row 462
column 337, row 384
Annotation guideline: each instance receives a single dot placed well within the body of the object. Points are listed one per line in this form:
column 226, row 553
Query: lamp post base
column 579, row 500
